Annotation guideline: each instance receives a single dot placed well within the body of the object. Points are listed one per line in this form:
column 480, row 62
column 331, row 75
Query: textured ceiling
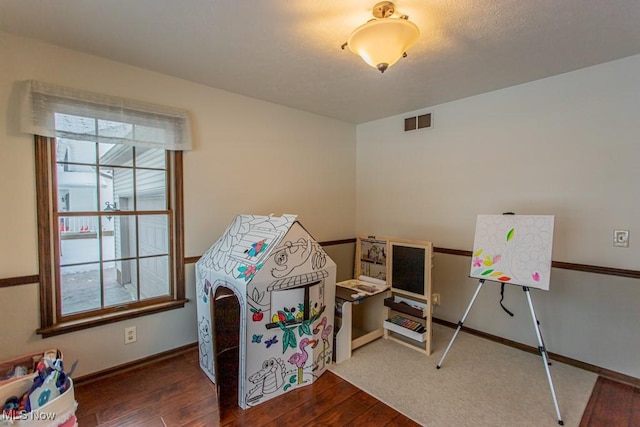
column 288, row 51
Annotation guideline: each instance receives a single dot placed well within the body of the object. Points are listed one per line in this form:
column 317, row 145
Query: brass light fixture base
column 384, row 9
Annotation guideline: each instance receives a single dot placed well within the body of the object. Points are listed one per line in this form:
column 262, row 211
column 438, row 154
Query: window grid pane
column 77, row 187
column 112, row 258
column 80, row 288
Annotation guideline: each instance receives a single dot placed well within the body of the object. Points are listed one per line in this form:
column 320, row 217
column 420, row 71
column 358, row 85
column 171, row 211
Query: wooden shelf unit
column 361, row 320
column 407, row 308
column 411, row 304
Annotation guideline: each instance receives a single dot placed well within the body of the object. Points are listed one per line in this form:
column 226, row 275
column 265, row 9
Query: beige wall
column 566, row 145
column 249, row 157
column 343, row 255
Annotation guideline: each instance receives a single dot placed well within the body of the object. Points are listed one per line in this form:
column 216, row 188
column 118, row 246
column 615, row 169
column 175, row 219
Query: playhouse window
column 291, row 307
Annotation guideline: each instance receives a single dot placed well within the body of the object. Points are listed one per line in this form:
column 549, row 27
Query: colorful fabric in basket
column 44, row 398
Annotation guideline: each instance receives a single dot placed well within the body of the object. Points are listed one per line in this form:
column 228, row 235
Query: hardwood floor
column 612, row 404
column 175, row 392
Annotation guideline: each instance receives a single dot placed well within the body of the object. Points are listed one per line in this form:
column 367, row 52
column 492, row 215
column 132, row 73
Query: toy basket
column 46, row 388
column 59, row 412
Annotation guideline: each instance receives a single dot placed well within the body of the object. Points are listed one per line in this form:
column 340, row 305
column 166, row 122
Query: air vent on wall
column 419, row 122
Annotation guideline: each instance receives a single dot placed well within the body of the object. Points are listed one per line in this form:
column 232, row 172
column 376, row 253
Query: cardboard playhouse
column 284, row 283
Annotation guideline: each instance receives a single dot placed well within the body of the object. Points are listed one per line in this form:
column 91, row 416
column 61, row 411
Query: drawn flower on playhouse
column 248, row 271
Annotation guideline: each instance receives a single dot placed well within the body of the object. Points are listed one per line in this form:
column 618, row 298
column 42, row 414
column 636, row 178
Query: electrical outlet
column 621, row 238
column 435, row 298
column 130, row 335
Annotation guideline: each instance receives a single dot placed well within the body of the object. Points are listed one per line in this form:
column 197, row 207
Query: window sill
column 77, row 325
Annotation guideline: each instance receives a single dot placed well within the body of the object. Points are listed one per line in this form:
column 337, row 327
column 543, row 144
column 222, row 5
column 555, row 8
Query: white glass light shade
column 382, row 42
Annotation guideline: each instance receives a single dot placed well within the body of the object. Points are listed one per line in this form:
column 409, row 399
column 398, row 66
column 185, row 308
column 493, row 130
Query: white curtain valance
column 55, row 111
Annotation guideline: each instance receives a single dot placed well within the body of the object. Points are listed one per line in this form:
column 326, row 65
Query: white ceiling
column 288, row 51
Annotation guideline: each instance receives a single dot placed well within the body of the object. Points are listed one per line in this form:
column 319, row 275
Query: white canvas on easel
column 513, row 249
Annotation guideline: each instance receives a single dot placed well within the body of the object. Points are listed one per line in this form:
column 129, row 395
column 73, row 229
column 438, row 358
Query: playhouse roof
column 245, row 245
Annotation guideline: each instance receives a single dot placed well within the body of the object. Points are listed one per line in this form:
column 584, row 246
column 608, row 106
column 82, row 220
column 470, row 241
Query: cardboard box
column 28, row 362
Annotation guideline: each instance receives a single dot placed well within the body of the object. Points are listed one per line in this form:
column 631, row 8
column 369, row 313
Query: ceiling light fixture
column 381, row 42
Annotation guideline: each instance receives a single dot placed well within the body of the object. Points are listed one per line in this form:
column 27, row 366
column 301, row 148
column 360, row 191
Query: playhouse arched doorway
column 225, row 315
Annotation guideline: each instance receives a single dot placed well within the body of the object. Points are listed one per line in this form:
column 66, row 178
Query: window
column 109, row 214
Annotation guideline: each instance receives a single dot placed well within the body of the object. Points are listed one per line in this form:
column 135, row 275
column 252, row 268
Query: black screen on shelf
column 408, row 264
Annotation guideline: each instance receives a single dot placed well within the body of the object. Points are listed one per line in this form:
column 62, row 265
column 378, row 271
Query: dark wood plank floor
column 612, row 404
column 175, row 392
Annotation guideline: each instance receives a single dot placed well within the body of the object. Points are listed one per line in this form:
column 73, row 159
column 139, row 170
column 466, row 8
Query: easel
column 541, row 347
